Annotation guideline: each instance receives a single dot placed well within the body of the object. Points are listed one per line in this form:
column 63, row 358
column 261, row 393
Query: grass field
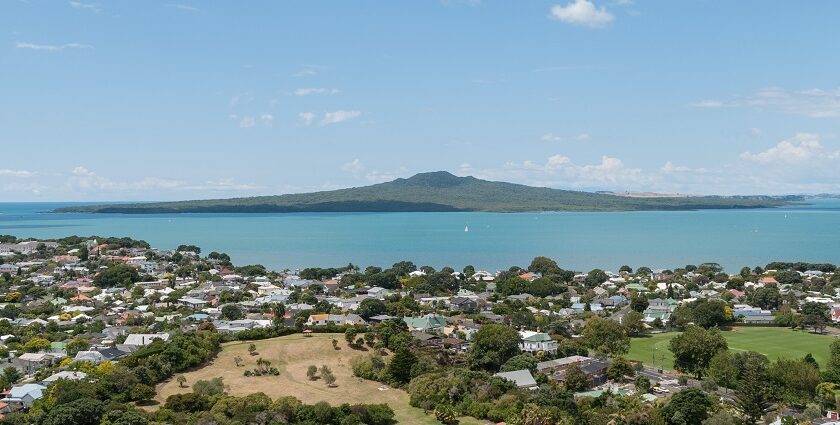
column 772, row 342
column 291, row 355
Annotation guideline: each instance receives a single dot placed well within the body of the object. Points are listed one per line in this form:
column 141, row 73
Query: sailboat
column 466, row 229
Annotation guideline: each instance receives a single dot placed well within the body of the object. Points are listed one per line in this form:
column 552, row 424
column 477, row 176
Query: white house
column 533, row 342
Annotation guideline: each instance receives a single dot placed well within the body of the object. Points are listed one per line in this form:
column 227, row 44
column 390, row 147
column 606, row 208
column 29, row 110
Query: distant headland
column 441, row 191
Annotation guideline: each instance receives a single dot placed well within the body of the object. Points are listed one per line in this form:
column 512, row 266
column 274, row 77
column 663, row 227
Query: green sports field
column 772, row 342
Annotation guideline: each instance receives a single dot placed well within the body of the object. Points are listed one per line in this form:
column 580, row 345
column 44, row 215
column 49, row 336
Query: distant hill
column 438, row 191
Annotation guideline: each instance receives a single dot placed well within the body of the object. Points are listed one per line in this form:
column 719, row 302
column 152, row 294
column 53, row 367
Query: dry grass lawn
column 292, row 355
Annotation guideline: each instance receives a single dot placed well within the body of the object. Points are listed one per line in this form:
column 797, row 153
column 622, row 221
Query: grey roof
column 522, row 378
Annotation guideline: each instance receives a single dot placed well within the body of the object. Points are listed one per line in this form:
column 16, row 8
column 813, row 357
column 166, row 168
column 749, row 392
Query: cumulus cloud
column 582, row 12
column 50, row 47
column 802, row 149
column 314, row 90
column 336, row 117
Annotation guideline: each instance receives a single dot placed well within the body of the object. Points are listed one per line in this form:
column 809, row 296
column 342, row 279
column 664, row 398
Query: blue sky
column 166, row 100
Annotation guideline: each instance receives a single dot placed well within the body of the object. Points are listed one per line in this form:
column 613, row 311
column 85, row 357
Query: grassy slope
column 291, row 355
column 439, row 191
column 772, row 342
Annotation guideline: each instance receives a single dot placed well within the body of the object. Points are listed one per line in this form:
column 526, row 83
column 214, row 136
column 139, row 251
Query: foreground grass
column 292, row 354
column 773, row 342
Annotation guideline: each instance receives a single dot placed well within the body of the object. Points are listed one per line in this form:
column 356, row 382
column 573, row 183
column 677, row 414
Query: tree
column 10, row 376
column 575, row 379
column 832, row 372
column 327, row 375
column 312, row 372
column 709, row 313
column 639, row 303
column 794, row 381
column 606, row 336
column 117, row 275
column 687, row 407
column 211, row 387
column 142, row 392
column 76, row 345
column 492, row 346
column 694, row 349
column 752, row 395
column 619, row 368
column 370, row 307
column 815, row 315
column 543, row 265
column 595, row 278
column 335, row 344
column 252, row 349
column 232, row 312
column 633, row 323
column 181, row 379
column 350, row 335
column 36, row 344
column 399, row 368
column 722, row 417
column 642, row 384
column 723, row 370
column 82, row 411
column 520, row 362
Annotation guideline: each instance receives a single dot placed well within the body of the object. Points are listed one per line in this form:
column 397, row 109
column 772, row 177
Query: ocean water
column 576, row 240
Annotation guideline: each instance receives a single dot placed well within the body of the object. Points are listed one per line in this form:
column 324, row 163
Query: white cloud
column 16, row 173
column 813, row 103
column 801, row 149
column 336, row 117
column 314, row 90
column 354, row 167
column 247, row 122
column 86, row 6
column 551, row 137
column 708, row 104
column 51, row 47
column 582, row 12
column 816, row 103
column 267, row 119
column 307, row 118
column 184, row 7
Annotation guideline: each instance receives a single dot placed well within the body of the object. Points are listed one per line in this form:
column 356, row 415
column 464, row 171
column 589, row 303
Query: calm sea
column 579, row 241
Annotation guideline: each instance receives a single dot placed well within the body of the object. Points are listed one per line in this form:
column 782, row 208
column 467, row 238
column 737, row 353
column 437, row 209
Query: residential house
column 23, row 396
column 534, row 342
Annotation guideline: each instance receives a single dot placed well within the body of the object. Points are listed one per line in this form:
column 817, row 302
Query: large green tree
column 606, row 336
column 694, row 349
column 687, row 407
column 752, row 395
column 492, row 346
column 116, row 275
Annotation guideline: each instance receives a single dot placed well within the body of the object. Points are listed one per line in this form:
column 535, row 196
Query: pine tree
column 399, row 368
column 752, row 395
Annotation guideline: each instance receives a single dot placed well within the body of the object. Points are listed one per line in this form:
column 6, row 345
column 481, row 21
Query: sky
column 126, row 101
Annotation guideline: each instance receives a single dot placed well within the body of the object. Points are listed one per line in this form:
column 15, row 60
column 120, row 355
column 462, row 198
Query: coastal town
column 87, row 320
